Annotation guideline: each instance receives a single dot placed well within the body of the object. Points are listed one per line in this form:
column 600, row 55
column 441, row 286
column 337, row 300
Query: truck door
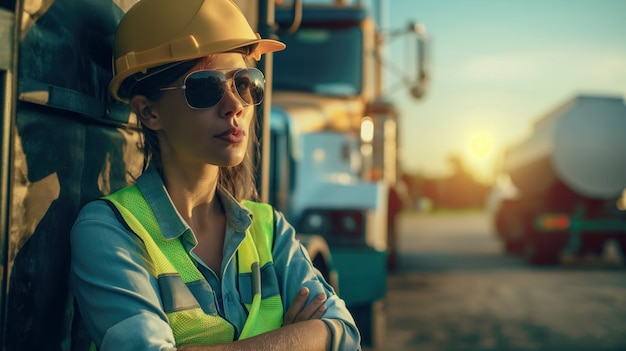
column 64, row 143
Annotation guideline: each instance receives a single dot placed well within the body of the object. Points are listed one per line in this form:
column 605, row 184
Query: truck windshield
column 321, row 60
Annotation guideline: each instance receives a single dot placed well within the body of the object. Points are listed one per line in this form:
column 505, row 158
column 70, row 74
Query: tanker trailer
column 568, row 174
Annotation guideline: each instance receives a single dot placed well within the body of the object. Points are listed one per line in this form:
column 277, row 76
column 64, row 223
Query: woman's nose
column 232, row 104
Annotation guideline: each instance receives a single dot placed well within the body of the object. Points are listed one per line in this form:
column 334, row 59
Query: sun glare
column 480, row 145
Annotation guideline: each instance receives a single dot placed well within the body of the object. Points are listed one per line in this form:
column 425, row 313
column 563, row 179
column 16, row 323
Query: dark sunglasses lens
column 205, row 88
column 250, row 85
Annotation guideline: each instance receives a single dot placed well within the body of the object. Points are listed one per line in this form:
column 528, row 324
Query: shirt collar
column 171, row 223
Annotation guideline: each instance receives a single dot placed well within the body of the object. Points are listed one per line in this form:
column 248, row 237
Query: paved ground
column 456, row 291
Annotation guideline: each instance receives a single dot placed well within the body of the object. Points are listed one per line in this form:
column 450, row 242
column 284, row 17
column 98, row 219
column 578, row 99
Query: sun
column 480, row 145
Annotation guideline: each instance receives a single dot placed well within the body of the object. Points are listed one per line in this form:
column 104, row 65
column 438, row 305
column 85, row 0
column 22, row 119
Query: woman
column 181, row 260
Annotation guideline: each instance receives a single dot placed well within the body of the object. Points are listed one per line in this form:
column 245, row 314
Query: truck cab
column 322, row 86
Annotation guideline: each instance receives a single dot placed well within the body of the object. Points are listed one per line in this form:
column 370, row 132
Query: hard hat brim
column 126, row 69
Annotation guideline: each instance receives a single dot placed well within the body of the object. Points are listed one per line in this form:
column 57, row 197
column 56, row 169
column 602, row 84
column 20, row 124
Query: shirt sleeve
column 295, row 270
column 113, row 287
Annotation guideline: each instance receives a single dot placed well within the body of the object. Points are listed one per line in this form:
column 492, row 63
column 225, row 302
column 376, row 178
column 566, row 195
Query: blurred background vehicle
column 565, row 182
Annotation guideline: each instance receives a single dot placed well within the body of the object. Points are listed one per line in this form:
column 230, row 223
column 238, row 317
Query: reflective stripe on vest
column 182, row 285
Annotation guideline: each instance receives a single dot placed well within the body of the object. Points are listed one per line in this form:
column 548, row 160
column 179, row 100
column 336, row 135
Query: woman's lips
column 233, row 135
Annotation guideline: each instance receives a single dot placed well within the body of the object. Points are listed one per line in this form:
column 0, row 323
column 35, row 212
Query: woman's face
column 217, row 135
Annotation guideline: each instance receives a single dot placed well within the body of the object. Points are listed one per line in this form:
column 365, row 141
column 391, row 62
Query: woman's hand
column 298, row 312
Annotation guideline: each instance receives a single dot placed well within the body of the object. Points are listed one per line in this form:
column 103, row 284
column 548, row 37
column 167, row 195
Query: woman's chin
column 231, row 162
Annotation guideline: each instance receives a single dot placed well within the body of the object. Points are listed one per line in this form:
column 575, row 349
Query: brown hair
column 239, row 180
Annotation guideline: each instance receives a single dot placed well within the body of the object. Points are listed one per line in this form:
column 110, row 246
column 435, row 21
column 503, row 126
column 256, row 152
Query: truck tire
column 593, row 243
column 509, row 226
column 545, row 249
column 514, row 247
column 318, row 251
column 513, row 234
column 372, row 323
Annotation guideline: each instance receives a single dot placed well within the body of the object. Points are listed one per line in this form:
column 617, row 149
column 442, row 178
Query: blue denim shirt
column 120, row 301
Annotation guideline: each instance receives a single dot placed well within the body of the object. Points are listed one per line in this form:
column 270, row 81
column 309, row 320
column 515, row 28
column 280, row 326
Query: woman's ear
column 142, row 107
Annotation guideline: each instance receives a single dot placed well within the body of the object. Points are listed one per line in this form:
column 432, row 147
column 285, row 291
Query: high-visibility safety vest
column 176, row 272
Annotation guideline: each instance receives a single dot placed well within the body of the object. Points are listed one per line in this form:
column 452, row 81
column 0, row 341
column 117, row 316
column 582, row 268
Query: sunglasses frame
column 232, row 79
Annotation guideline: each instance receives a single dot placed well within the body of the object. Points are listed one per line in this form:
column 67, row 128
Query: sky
column 497, row 66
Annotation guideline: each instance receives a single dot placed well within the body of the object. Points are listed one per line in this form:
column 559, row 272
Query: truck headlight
column 342, row 228
column 315, row 222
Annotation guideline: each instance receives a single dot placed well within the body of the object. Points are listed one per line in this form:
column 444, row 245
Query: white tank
column 582, row 143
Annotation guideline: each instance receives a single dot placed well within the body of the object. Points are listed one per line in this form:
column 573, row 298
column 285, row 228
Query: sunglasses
column 206, row 88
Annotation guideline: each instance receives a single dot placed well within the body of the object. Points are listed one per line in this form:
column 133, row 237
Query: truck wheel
column 545, row 249
column 318, row 250
column 514, row 247
column 330, row 275
column 593, row 244
column 372, row 323
column 510, row 228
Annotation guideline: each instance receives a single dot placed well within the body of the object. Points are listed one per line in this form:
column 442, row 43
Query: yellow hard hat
column 158, row 32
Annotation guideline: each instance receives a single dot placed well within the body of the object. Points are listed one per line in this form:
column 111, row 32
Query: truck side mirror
column 423, row 63
column 296, row 19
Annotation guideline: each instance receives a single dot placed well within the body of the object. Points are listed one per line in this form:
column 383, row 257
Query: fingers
column 314, row 310
column 298, row 312
column 296, row 306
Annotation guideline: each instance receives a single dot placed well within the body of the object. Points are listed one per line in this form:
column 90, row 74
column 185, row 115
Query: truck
column 334, row 154
column 65, row 142
column 563, row 183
